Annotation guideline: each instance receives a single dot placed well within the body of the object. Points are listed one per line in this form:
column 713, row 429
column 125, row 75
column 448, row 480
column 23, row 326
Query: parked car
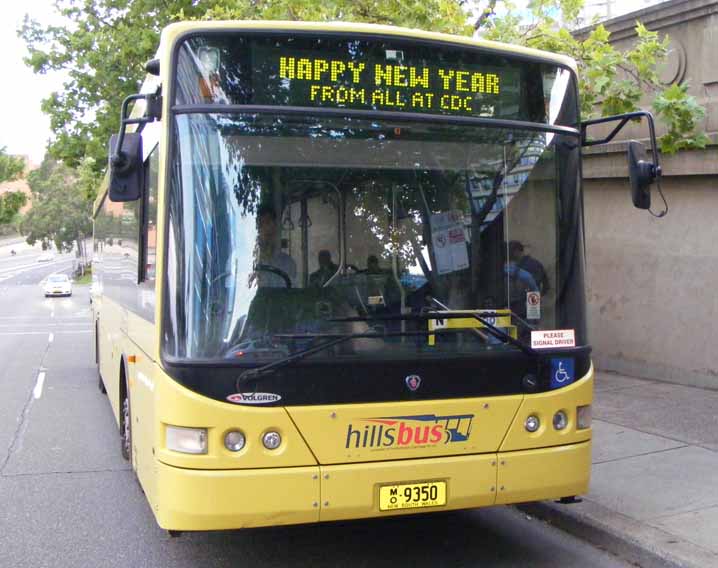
column 58, row 285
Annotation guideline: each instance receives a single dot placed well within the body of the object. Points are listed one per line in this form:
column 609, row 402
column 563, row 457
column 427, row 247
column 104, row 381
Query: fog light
column 560, row 420
column 583, row 417
column 234, row 440
column 271, row 440
column 532, row 423
column 186, row 440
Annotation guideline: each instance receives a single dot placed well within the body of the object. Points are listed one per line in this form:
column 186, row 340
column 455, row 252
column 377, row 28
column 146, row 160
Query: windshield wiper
column 490, row 328
column 336, row 340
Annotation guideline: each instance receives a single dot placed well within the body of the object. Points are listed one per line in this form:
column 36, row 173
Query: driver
column 270, row 254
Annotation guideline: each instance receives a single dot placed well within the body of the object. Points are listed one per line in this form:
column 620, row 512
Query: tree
column 611, row 81
column 61, row 212
column 12, row 201
column 10, row 166
column 10, row 205
column 102, row 49
column 106, row 42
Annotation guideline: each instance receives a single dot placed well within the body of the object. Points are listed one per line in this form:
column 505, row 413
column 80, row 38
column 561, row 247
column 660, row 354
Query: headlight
column 532, row 423
column 583, row 417
column 234, row 440
column 186, row 440
column 560, row 420
column 271, row 440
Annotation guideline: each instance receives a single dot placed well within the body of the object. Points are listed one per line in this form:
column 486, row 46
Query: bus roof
column 172, row 31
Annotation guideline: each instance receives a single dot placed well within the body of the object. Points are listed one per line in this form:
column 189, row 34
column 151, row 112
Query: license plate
column 412, row 495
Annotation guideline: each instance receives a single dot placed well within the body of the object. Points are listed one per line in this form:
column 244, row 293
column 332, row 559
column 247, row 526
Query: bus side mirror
column 641, row 173
column 126, row 168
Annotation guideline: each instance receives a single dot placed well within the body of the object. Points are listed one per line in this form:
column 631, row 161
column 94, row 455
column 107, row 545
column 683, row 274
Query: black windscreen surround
column 368, row 74
column 343, row 187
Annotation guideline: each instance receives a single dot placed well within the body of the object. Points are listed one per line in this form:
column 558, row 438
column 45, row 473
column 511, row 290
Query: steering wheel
column 274, row 270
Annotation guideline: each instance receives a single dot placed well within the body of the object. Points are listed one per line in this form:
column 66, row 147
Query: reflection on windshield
column 279, row 227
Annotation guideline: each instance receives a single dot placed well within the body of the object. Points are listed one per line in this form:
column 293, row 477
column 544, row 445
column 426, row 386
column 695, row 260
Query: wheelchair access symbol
column 562, row 372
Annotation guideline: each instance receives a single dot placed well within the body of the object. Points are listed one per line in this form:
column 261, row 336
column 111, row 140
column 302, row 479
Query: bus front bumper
column 190, row 499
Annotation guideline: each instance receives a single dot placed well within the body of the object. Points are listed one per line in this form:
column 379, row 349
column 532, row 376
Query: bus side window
column 150, row 218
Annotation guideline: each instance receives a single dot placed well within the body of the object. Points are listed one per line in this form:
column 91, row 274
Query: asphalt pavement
column 68, row 499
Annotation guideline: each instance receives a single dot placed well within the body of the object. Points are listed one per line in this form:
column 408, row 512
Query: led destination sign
column 383, row 75
column 334, row 82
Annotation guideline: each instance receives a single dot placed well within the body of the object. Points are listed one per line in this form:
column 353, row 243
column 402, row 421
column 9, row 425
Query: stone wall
column 652, row 307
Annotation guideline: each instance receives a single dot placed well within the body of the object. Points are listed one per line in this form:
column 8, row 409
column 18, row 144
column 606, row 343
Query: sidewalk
column 654, row 482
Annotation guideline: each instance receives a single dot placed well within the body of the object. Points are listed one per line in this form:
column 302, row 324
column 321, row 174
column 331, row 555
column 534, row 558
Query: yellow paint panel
column 547, row 473
column 401, row 430
column 182, row 407
column 352, row 491
column 215, row 500
column 545, row 405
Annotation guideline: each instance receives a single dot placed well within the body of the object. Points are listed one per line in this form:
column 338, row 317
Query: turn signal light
column 583, row 417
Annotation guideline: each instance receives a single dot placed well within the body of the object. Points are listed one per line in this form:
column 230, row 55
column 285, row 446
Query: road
column 69, row 500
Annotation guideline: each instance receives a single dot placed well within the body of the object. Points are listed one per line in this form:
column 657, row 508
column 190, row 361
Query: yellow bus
column 340, row 275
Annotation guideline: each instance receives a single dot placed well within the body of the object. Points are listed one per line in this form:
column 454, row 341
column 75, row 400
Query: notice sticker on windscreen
column 553, row 339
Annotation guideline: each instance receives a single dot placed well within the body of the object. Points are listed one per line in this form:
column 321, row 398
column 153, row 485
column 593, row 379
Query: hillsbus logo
column 409, row 431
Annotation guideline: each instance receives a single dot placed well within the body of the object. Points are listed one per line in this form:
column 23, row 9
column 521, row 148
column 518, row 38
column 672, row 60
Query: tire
column 100, row 382
column 126, row 424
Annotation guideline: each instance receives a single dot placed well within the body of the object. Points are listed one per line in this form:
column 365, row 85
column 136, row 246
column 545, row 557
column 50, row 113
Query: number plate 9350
column 412, row 495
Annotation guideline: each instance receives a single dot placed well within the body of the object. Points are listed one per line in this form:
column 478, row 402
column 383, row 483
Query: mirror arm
column 153, row 111
column 623, row 118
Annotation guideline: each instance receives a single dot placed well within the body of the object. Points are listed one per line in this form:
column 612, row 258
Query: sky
column 25, row 130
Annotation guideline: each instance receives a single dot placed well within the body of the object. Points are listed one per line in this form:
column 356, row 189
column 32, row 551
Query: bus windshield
column 286, row 230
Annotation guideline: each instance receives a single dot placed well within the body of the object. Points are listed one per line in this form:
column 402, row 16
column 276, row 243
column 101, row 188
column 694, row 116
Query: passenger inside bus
column 372, row 265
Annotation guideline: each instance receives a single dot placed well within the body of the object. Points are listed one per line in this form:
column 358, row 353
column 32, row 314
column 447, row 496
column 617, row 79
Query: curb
column 631, row 540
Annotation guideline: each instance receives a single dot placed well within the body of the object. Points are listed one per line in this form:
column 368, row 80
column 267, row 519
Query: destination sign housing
column 383, row 75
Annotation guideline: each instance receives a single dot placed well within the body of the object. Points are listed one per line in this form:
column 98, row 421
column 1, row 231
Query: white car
column 58, row 285
column 46, row 257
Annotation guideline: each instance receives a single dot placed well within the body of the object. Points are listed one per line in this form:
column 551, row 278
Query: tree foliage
column 105, row 43
column 61, row 211
column 102, row 49
column 10, row 204
column 611, row 81
column 11, row 201
column 10, row 166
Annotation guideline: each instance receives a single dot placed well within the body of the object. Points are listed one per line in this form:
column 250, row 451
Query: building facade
column 653, row 311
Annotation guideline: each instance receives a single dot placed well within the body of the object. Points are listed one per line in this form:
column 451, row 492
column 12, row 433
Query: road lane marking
column 44, row 332
column 51, row 338
column 37, row 391
column 17, row 270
